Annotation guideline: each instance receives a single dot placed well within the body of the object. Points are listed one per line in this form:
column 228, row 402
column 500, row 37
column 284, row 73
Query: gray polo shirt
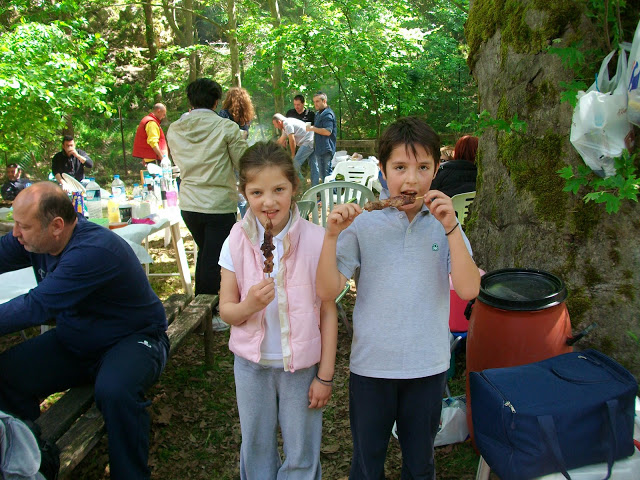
column 401, row 315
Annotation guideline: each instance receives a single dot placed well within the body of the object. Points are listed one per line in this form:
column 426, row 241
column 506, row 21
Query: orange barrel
column 519, row 317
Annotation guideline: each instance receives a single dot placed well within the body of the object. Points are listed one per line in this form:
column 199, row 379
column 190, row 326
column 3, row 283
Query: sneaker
column 218, row 324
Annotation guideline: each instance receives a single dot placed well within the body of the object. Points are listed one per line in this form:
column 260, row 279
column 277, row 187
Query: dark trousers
column 209, row 231
column 414, row 404
column 31, row 371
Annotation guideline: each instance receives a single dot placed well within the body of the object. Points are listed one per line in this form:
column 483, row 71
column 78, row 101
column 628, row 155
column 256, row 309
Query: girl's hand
column 260, row 295
column 341, row 217
column 441, row 207
column 319, row 394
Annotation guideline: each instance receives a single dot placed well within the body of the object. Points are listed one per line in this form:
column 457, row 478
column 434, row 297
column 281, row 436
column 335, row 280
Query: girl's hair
column 466, row 149
column 239, row 105
column 262, row 155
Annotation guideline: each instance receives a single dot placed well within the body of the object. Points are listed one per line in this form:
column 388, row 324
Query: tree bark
column 236, row 79
column 150, row 37
column 521, row 217
column 188, row 38
column 276, row 78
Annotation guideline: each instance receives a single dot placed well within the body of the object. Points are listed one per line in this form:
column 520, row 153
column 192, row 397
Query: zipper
column 505, row 402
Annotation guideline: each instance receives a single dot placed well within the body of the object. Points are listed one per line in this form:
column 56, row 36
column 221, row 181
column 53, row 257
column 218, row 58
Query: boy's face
column 407, row 173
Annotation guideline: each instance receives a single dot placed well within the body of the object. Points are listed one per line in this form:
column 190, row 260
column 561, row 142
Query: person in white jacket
column 207, row 148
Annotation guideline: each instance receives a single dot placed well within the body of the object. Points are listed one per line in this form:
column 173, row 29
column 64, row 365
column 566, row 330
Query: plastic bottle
column 94, row 203
column 137, row 193
column 117, row 188
column 157, row 189
column 150, row 198
column 167, row 172
column 113, row 210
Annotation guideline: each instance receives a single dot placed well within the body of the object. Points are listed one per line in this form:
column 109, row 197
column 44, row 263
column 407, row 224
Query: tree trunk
column 521, row 217
column 276, row 78
column 188, row 38
column 236, row 79
column 150, row 37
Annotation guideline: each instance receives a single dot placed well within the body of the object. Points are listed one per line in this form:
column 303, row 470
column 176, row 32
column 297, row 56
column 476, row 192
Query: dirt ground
column 195, row 431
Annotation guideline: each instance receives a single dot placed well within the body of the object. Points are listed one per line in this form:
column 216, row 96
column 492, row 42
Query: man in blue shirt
column 324, row 129
column 110, row 325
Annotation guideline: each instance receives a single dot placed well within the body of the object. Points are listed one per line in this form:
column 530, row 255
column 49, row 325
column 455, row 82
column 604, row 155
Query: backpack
column 23, row 454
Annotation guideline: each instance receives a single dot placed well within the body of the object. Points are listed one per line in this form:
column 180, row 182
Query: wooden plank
column 368, row 146
column 196, row 313
column 61, row 415
column 79, row 440
column 181, row 258
column 174, row 304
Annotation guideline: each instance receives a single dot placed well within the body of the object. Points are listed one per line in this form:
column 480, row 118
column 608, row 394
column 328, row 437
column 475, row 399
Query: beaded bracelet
column 451, row 231
column 328, row 383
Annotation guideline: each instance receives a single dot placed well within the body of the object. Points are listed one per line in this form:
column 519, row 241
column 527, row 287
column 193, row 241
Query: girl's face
column 407, row 174
column 269, row 194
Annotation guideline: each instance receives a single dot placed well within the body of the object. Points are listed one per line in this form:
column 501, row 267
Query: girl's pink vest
column 298, row 304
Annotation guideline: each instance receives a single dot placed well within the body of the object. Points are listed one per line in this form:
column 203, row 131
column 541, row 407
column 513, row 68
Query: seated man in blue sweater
column 110, row 325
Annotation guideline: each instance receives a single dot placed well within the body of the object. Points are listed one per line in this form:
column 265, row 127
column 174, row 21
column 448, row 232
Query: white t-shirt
column 298, row 128
column 271, row 347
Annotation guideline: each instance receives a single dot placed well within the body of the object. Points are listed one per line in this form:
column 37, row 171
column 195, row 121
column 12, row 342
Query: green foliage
column 612, row 190
column 48, row 72
column 377, row 61
column 478, row 123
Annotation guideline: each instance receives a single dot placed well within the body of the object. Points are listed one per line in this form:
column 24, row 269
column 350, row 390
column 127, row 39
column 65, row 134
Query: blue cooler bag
column 551, row 416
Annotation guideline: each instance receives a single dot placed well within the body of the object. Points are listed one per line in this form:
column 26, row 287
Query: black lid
column 521, row 289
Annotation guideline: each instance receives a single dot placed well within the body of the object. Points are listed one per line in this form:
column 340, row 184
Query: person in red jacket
column 149, row 143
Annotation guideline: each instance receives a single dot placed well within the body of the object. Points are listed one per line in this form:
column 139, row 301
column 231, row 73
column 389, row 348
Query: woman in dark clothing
column 458, row 175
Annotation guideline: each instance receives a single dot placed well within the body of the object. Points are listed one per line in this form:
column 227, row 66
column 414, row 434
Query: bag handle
column 550, row 438
column 612, row 406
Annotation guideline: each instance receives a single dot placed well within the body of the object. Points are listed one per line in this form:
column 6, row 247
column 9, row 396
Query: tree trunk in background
column 188, row 38
column 276, row 78
column 236, row 79
column 150, row 37
column 521, row 217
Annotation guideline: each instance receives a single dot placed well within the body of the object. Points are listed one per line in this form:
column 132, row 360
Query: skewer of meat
column 397, row 201
column 267, row 248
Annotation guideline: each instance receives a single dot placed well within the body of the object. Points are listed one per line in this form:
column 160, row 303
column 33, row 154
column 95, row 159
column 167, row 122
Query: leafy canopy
column 48, row 72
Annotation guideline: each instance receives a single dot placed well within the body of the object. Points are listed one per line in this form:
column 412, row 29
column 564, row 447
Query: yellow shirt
column 153, row 137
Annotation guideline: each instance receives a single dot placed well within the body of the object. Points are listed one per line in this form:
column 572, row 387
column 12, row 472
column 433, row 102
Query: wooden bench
column 74, row 422
column 365, row 147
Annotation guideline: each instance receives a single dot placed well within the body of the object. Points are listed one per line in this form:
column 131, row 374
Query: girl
column 238, row 108
column 283, row 337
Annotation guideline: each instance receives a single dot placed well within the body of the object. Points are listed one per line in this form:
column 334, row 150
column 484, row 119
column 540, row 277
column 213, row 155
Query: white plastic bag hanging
column 599, row 128
column 633, row 78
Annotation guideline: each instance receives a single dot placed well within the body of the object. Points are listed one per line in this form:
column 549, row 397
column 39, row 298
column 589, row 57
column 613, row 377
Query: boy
column 400, row 348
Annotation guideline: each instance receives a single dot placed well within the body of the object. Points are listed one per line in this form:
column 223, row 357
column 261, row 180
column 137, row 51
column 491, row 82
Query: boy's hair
column 410, row 132
column 262, row 155
column 299, row 97
column 204, row 93
column 466, row 149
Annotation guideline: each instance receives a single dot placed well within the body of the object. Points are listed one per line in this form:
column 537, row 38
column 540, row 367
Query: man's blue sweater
column 95, row 289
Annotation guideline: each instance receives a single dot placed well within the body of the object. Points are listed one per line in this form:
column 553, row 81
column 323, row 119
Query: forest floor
column 195, row 431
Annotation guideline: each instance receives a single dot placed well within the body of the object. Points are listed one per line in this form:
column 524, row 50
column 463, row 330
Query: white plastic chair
column 357, row 171
column 461, row 204
column 346, row 192
column 331, row 194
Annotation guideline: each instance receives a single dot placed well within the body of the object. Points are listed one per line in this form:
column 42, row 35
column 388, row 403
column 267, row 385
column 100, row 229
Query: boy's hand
column 319, row 394
column 441, row 207
column 260, row 295
column 341, row 217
